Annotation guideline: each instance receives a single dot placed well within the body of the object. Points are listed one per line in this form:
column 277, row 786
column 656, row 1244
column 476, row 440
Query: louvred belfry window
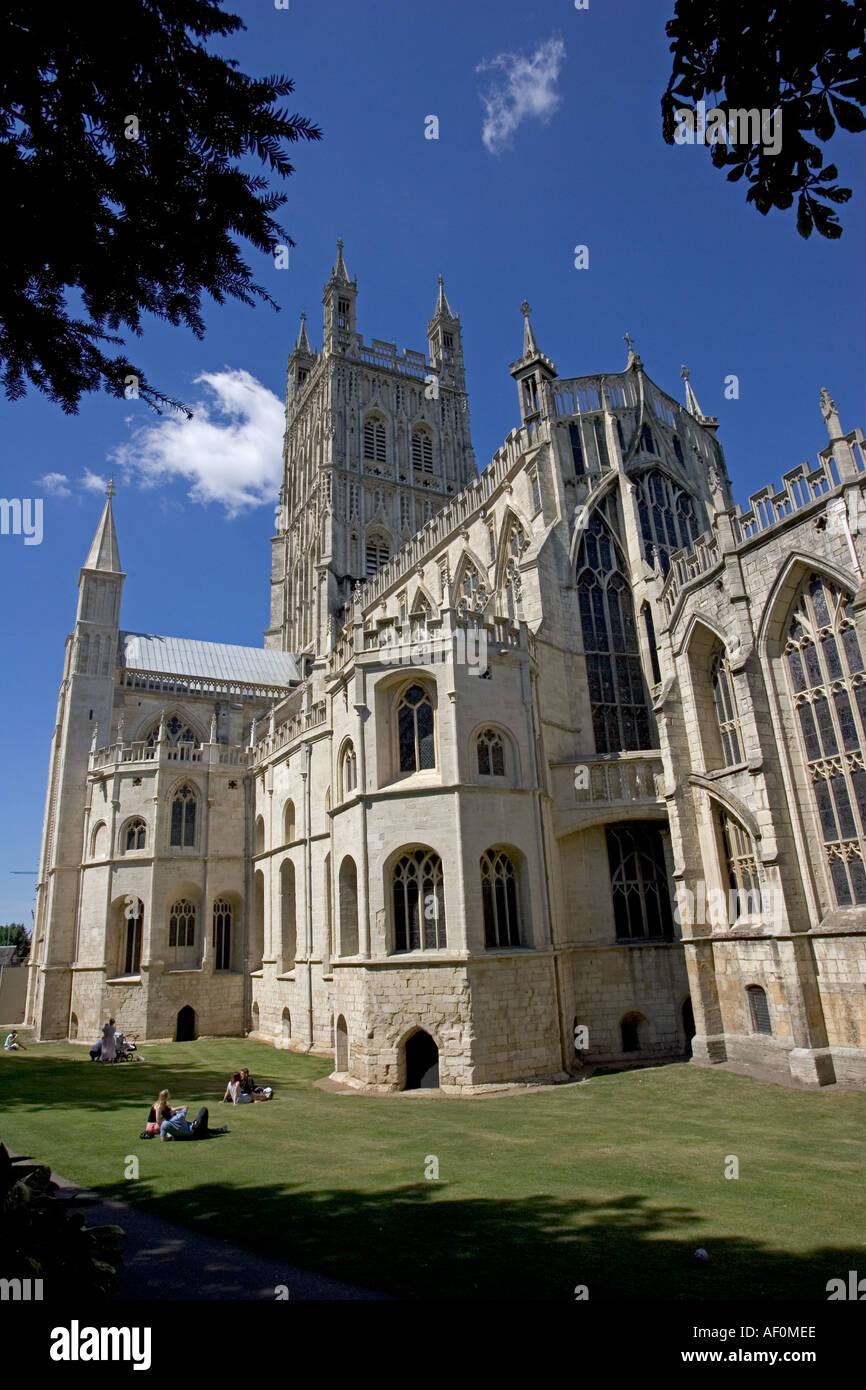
column 422, row 451
column 376, row 555
column 374, row 441
column 828, row 687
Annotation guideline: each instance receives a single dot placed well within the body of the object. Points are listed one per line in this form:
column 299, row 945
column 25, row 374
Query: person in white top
column 12, row 1044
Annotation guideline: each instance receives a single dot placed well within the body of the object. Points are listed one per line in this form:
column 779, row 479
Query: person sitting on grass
column 12, row 1044
column 235, row 1092
column 177, row 1126
column 250, row 1089
column 160, row 1111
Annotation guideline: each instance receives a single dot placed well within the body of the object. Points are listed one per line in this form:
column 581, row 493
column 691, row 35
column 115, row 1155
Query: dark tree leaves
column 100, row 229
column 806, row 61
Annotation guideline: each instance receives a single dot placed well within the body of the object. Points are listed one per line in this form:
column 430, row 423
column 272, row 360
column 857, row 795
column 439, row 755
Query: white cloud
column 55, row 484
column 230, row 451
column 93, row 482
column 528, row 89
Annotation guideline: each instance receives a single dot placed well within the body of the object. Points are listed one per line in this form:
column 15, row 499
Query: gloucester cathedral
column 558, row 763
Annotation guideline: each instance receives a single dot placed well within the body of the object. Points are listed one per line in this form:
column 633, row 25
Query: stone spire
column 530, row 346
column 709, row 422
column 831, row 415
column 841, row 447
column 340, row 273
column 443, row 308
column 532, row 354
column 103, row 553
column 303, row 342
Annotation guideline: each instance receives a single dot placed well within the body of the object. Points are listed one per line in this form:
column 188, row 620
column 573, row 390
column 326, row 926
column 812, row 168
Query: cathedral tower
column 376, row 443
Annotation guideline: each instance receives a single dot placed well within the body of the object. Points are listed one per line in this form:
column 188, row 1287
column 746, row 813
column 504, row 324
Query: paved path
column 165, row 1261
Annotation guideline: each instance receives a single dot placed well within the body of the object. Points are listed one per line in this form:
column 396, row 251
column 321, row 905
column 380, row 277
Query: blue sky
column 676, row 258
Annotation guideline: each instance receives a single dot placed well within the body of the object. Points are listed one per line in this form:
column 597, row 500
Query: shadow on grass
column 423, row 1241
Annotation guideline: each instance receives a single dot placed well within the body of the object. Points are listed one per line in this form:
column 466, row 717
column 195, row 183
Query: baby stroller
column 126, row 1050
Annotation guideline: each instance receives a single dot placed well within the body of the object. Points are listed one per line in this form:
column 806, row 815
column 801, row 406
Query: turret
column 338, row 299
column 445, row 342
column 531, row 372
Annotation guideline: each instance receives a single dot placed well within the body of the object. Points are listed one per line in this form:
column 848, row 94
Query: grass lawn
column 612, row 1184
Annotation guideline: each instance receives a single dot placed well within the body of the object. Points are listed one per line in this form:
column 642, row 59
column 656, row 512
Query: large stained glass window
column 617, row 691
column 419, row 902
column 667, row 518
column 828, row 686
column 639, row 882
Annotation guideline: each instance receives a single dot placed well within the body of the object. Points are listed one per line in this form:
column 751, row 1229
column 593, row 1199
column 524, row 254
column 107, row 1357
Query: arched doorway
column 287, row 1027
column 422, row 1063
column 186, row 1030
column 630, row 1031
column 341, row 1046
column 688, row 1024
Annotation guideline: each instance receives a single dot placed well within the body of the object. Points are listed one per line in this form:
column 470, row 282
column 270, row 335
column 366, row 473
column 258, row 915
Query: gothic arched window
column 491, row 753
column 499, row 900
column 726, row 709
column 419, row 902
column 176, row 731
column 617, row 691
column 419, row 618
column 181, row 923
column 667, row 517
column 828, row 687
column 349, row 769
column 741, row 864
column 133, row 913
column 183, row 818
column 415, row 730
column 222, row 934
column 422, row 451
column 136, row 835
column 471, row 588
column 639, row 881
